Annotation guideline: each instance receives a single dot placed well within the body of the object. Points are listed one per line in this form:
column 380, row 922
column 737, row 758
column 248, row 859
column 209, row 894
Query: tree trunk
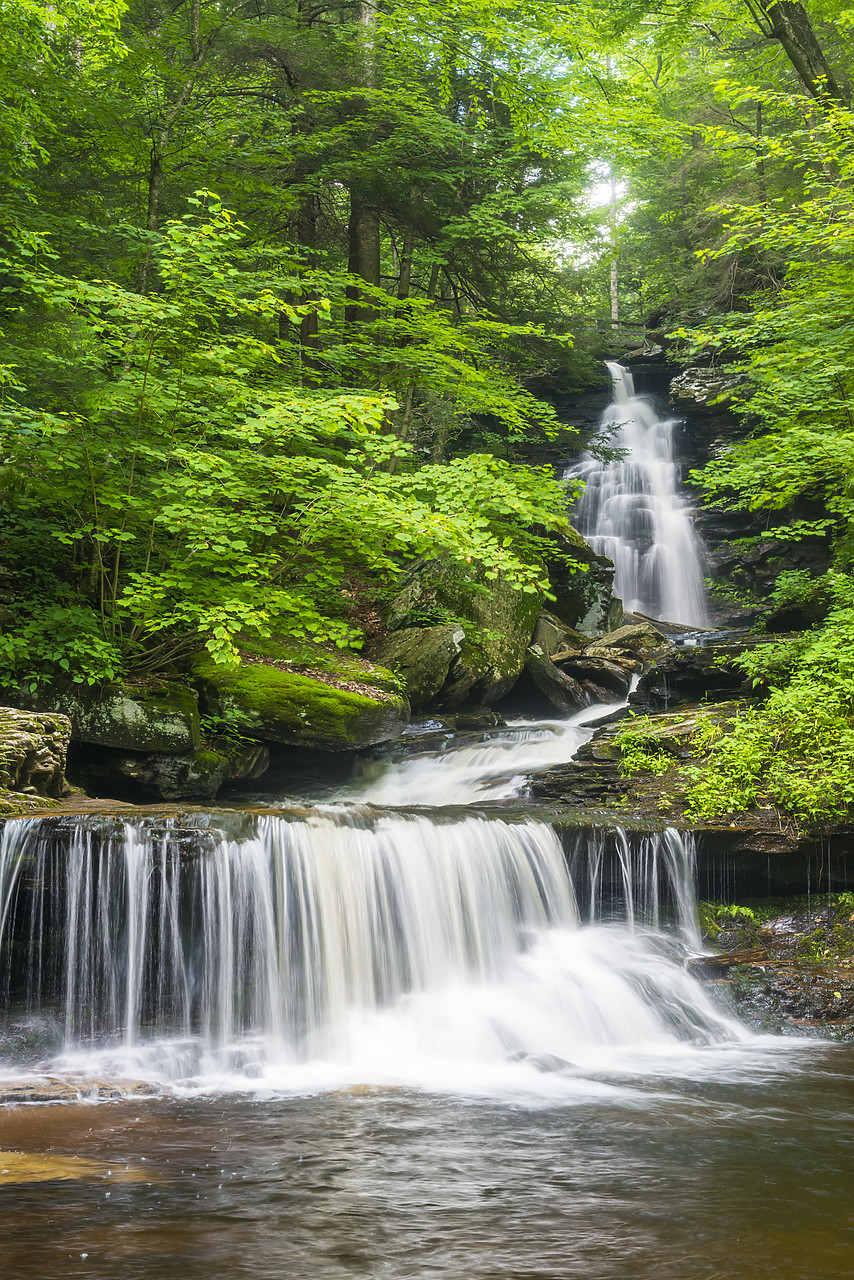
column 364, row 225
column 788, row 22
column 404, row 281
column 195, row 29
column 152, row 210
column 364, row 255
column 615, row 281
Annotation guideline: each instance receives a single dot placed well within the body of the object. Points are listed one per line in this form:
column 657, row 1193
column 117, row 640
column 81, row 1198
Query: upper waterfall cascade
column 632, row 512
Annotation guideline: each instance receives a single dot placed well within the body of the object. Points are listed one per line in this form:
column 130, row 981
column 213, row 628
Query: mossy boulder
column 196, row 775
column 422, row 656
column 163, row 718
column 489, row 662
column 274, row 696
column 502, row 618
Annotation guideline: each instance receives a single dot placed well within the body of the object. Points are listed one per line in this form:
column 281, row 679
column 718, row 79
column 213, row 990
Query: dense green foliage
column 226, row 415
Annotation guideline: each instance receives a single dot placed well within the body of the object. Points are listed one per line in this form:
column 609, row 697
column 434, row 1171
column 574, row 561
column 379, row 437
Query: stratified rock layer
column 33, row 750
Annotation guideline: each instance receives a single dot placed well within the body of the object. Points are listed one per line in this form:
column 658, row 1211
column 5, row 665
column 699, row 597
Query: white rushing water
column 336, row 946
column 632, row 512
column 494, row 767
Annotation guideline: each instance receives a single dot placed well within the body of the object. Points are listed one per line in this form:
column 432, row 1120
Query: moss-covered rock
column 197, row 775
column 422, row 656
column 502, row 618
column 163, row 718
column 491, row 661
column 274, row 697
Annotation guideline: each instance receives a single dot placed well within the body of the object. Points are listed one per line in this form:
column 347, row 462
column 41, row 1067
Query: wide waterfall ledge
column 315, row 950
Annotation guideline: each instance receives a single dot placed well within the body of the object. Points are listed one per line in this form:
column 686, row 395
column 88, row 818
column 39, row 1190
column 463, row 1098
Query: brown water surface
column 677, row 1181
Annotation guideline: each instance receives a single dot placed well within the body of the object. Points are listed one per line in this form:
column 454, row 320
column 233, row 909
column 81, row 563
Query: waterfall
column 334, row 943
column 631, row 511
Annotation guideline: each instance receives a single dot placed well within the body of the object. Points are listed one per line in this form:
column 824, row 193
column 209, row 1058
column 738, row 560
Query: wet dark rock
column 692, row 674
column 601, row 678
column 801, row 978
column 198, row 775
column 475, row 718
column 562, row 691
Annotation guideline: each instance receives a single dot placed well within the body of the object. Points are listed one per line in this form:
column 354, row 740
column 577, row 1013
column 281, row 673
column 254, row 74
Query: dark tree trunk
column 788, row 22
column 364, row 255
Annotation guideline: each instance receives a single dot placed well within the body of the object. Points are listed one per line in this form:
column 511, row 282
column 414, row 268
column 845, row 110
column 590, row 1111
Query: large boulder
column 492, row 655
column 583, row 596
column 562, row 691
column 163, row 718
column 33, row 749
column 422, row 657
column 635, row 648
column 554, row 636
column 314, row 699
column 491, row 661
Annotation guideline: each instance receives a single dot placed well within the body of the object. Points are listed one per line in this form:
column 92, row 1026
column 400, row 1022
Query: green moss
column 291, row 708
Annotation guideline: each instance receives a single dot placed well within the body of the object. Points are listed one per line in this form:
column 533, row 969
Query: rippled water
column 748, row 1174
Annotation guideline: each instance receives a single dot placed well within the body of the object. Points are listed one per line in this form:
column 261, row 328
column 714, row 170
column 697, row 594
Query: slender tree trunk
column 364, row 256
column 615, row 279
column 307, row 221
column 404, row 281
column 760, row 163
column 364, row 225
column 152, row 210
column 196, row 29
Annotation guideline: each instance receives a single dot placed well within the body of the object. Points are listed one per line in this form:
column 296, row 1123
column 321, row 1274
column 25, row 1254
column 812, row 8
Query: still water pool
column 746, row 1172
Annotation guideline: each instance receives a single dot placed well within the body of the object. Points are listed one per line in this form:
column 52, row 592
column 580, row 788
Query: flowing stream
column 406, row 1030
column 631, row 511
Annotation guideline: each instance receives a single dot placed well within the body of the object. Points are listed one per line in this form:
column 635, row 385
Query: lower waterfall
column 307, row 949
